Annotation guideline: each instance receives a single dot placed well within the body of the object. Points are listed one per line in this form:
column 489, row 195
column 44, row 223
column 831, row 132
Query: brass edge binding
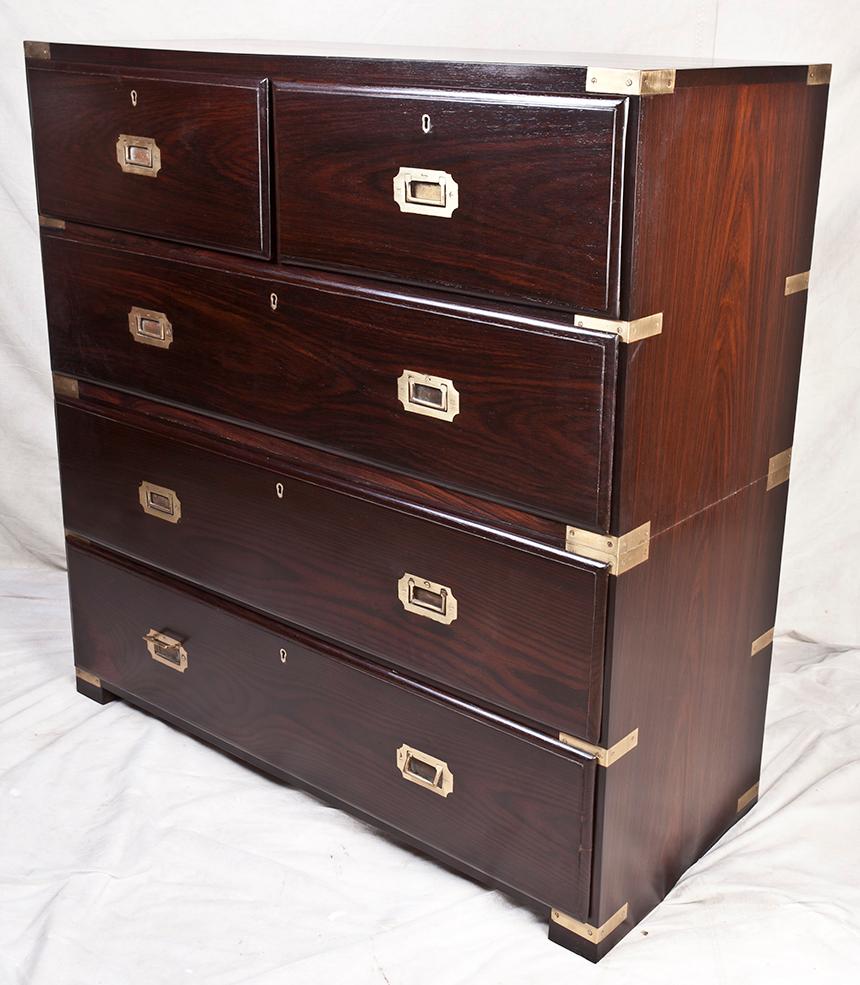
column 620, row 553
column 37, row 50
column 593, row 934
column 778, row 468
column 49, row 222
column 604, row 757
column 65, row 386
column 818, row 75
column 761, row 642
column 627, row 331
column 796, row 283
column 630, row 82
column 87, row 677
column 747, row 798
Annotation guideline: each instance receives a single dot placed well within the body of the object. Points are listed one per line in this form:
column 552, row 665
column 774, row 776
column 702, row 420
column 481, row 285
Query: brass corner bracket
column 630, row 81
column 65, row 386
column 604, row 756
column 796, row 283
column 761, row 642
column 747, row 798
column 37, row 50
column 818, row 75
column 49, row 222
column 620, row 553
column 593, row 934
column 627, row 331
column 87, row 677
column 778, row 468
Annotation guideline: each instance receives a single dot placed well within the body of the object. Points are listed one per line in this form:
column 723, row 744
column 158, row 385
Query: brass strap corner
column 65, row 386
column 629, row 81
column 605, row 757
column 627, row 331
column 818, row 75
column 49, row 222
column 778, row 468
column 747, row 798
column 87, row 677
column 620, row 553
column 593, row 934
column 761, row 642
column 796, row 283
column 39, row 51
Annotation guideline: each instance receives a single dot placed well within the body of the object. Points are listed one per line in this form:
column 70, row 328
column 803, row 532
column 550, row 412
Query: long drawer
column 509, row 407
column 504, row 801
column 508, row 622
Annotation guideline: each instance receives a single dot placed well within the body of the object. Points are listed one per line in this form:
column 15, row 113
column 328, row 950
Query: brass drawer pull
column 159, row 501
column 150, row 327
column 433, row 396
column 427, row 771
column 166, row 650
column 426, row 192
column 138, row 155
column 427, row 598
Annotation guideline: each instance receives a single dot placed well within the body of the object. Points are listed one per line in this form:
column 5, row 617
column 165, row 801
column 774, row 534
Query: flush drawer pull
column 427, row 771
column 150, row 327
column 138, row 155
column 433, row 396
column 426, row 192
column 159, row 501
column 427, row 598
column 166, row 650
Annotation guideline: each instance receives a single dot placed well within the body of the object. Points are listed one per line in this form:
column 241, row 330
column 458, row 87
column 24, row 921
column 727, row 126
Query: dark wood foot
column 588, row 942
column 91, row 686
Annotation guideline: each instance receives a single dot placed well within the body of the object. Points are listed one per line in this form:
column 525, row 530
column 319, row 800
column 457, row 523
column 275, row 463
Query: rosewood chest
column 424, row 427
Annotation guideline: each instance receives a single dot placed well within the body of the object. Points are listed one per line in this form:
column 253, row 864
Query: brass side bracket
column 630, row 81
column 593, row 934
column 37, row 50
column 65, row 386
column 796, row 283
column 761, row 642
column 620, row 553
column 747, row 798
column 604, row 756
column 627, row 331
column 778, row 468
column 87, row 677
column 49, row 222
column 818, row 75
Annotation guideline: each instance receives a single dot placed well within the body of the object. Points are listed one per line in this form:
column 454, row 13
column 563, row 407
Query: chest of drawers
column 424, row 427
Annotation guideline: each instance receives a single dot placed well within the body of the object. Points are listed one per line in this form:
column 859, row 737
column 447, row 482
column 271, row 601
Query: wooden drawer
column 366, row 180
column 513, row 805
column 508, row 622
column 528, row 404
column 169, row 155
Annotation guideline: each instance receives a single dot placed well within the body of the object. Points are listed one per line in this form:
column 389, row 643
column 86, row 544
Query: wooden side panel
column 725, row 208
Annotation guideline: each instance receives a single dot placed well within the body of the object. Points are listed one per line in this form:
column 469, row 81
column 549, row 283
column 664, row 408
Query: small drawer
column 175, row 157
column 500, row 194
column 507, row 803
column 517, row 627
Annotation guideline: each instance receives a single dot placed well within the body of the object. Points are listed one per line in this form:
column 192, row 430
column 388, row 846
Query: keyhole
column 273, row 301
column 134, row 97
column 283, row 655
column 279, row 489
column 426, row 125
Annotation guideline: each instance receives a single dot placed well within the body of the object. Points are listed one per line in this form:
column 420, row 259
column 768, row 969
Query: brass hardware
column 761, row 642
column 593, row 934
column 604, row 756
column 778, row 468
column 627, row 331
column 273, row 301
column 748, row 797
column 160, row 502
column 426, row 192
column 283, row 655
column 427, row 598
column 818, row 75
column 37, row 50
column 279, row 490
column 427, row 771
column 65, row 386
column 620, row 553
column 87, row 677
column 630, row 82
column 48, row 222
column 166, row 650
column 138, row 155
column 797, row 283
column 150, row 327
column 433, row 396
column 133, row 95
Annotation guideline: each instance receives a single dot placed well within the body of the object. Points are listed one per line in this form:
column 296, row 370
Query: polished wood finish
column 539, row 189
column 521, row 806
column 212, row 132
column 318, row 360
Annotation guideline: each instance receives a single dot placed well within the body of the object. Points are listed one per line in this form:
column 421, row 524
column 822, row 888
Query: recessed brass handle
column 150, row 327
column 166, row 650
column 425, row 770
column 427, row 598
column 426, row 192
column 433, row 396
column 138, row 155
column 159, row 501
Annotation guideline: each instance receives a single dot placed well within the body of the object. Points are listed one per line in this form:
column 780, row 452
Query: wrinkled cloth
column 132, row 854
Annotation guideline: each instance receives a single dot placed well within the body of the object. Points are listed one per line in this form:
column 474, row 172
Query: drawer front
column 501, row 194
column 521, row 629
column 177, row 158
column 516, row 808
column 513, row 410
